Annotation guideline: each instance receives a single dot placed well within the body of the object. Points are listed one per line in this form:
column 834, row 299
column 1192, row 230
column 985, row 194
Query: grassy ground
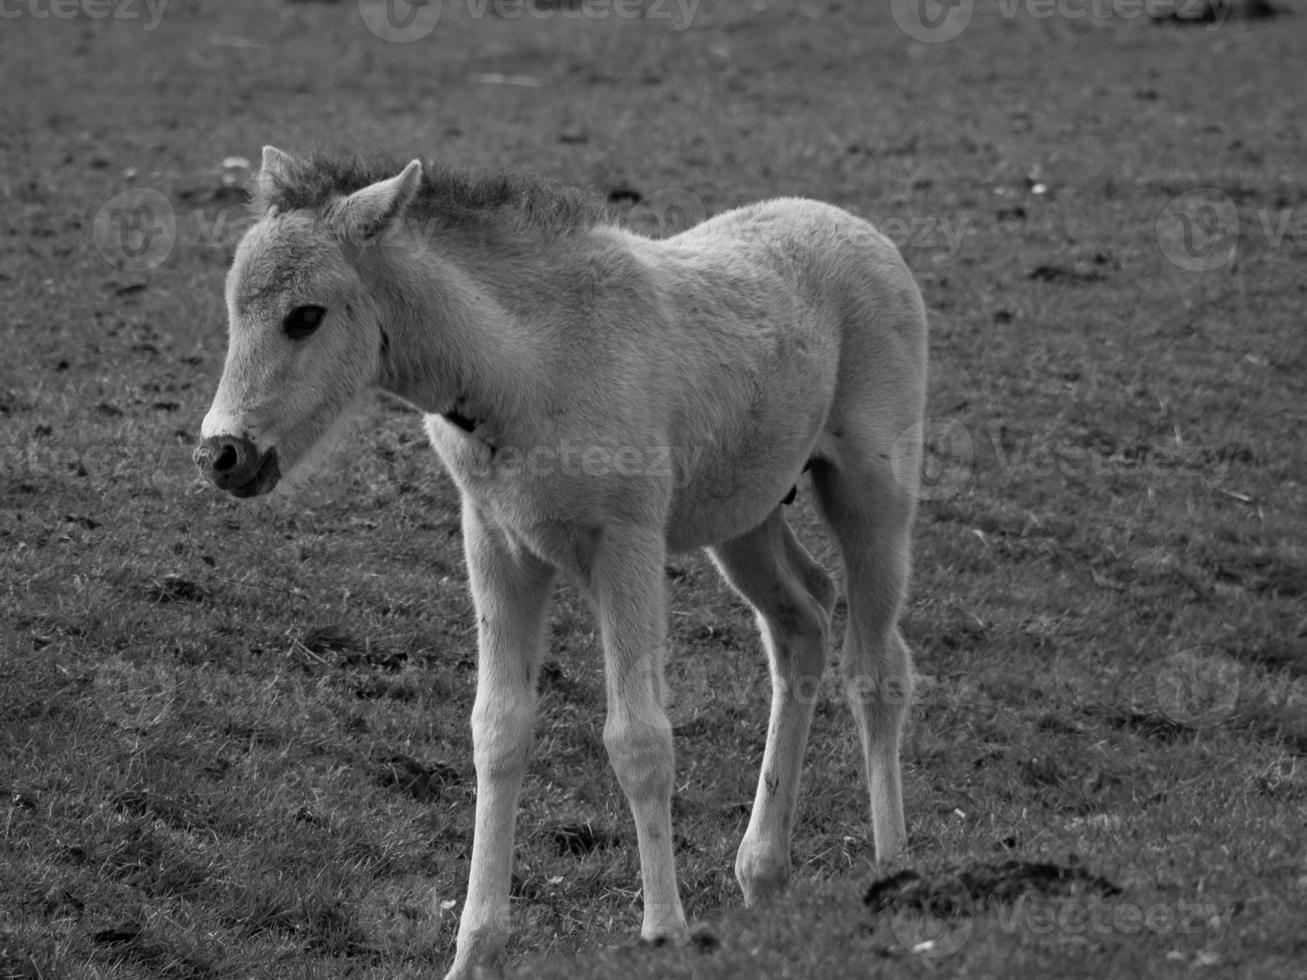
column 233, row 736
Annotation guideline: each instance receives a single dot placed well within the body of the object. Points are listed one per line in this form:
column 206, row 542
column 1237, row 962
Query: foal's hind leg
column 870, row 513
column 792, row 596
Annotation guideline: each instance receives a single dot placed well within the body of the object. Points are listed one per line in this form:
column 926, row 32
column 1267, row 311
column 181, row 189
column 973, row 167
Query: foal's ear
column 274, row 169
column 368, row 213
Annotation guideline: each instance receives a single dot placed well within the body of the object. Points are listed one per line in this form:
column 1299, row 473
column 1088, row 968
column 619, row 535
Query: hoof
column 761, row 881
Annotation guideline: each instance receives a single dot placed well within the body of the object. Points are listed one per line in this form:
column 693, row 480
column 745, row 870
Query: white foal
column 601, row 399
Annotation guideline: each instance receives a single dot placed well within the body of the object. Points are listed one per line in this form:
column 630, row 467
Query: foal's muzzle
column 234, row 464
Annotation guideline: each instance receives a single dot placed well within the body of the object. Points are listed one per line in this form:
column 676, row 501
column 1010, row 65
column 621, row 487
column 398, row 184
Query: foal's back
column 778, row 325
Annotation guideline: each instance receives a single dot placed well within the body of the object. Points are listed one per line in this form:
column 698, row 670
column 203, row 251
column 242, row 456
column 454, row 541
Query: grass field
column 233, row 736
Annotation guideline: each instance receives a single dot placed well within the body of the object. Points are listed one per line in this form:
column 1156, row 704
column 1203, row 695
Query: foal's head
column 305, row 331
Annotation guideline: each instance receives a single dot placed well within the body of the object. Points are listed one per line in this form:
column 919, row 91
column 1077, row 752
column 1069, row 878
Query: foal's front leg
column 626, row 580
column 511, row 588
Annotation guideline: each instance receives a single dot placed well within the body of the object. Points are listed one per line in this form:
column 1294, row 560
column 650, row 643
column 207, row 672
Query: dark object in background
column 1216, row 12
column 420, row 781
column 983, row 884
column 582, row 838
column 621, row 194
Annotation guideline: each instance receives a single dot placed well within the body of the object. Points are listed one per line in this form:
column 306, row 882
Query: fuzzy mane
column 453, row 195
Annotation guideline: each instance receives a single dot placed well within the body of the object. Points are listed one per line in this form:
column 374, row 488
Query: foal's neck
column 455, row 342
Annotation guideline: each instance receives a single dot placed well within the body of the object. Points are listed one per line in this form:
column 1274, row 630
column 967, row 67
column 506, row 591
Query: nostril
column 227, row 459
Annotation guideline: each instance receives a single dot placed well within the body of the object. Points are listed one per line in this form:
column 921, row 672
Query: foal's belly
column 735, row 487
column 697, row 523
column 748, row 456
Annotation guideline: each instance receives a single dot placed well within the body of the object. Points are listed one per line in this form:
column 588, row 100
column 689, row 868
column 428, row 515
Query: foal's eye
column 302, row 321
